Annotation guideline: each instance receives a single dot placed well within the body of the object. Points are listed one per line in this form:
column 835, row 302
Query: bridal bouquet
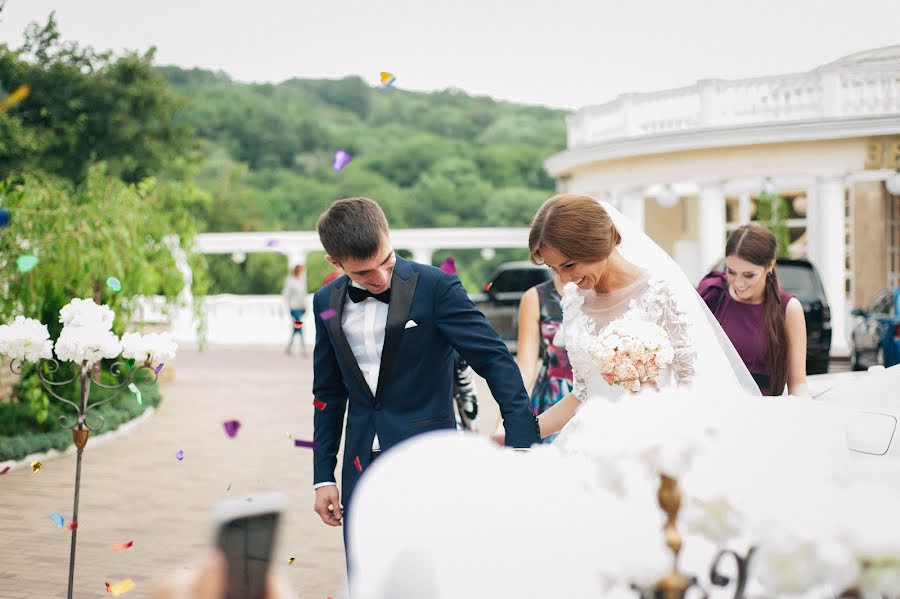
column 632, row 351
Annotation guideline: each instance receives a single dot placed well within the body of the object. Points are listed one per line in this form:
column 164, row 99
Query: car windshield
column 799, row 281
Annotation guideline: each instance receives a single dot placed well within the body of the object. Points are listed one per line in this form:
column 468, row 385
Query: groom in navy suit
column 386, row 332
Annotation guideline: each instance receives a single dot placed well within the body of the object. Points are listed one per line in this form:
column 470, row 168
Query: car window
column 519, row 279
column 881, row 304
column 799, row 281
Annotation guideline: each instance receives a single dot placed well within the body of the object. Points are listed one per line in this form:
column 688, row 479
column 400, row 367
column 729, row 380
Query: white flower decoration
column 85, row 313
column 157, row 347
column 87, row 344
column 25, row 339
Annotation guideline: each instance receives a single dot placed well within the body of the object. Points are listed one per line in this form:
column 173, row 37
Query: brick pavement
column 134, row 489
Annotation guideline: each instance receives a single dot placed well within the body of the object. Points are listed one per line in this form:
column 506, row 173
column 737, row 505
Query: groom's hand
column 328, row 505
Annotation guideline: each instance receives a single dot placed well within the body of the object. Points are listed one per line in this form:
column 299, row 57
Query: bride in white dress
column 614, row 272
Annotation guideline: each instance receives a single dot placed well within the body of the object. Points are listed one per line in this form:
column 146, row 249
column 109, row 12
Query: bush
column 20, row 436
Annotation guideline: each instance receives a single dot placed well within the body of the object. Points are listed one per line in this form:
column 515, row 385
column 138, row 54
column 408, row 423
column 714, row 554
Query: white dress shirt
column 364, row 325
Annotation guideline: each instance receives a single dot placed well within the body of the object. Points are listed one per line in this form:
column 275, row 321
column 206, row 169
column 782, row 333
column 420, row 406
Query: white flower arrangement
column 25, row 339
column 154, row 347
column 86, row 338
column 632, row 351
column 87, row 345
column 85, row 313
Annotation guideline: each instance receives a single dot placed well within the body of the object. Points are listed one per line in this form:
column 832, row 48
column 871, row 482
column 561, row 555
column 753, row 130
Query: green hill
column 441, row 159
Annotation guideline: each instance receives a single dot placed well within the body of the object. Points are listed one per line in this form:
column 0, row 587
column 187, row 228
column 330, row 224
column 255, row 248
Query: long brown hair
column 576, row 226
column 757, row 245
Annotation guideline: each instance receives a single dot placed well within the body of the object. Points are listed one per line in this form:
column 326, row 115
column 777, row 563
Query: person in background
column 294, row 294
column 541, row 356
column 765, row 324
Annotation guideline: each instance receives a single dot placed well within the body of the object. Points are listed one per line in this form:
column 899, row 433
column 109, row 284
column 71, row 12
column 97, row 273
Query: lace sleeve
column 572, row 325
column 664, row 309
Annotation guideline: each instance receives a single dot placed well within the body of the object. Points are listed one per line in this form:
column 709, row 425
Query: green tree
column 86, row 107
column 84, row 234
column 772, row 212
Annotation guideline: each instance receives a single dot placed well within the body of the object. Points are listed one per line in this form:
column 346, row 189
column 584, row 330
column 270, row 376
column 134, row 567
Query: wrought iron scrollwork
column 743, row 566
column 47, row 368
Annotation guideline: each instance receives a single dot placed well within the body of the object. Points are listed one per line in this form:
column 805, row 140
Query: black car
column 504, row 291
column 800, row 279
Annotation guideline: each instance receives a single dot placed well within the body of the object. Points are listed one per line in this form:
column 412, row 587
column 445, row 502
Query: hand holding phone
column 246, row 536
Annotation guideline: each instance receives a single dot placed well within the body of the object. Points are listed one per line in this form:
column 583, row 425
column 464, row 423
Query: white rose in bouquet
column 25, row 339
column 87, row 344
column 84, row 313
column 155, row 347
column 631, row 351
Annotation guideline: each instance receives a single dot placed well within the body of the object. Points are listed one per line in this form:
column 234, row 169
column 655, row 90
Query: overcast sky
column 564, row 53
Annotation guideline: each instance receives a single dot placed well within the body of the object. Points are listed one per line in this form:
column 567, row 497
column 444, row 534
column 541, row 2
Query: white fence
column 839, row 91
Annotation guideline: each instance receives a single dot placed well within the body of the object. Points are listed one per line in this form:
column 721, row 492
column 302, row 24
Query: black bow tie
column 357, row 295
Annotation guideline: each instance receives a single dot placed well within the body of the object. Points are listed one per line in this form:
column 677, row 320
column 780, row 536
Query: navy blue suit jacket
column 414, row 384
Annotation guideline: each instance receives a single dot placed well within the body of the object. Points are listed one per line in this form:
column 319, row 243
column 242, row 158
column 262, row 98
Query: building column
column 711, row 224
column 631, row 204
column 422, row 255
column 744, row 206
column 826, row 232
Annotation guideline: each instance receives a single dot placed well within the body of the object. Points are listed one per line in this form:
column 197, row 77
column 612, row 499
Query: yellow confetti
column 36, row 466
column 14, row 98
column 290, row 560
column 387, row 79
column 121, row 587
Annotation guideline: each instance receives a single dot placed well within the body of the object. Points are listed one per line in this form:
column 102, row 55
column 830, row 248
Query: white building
column 689, row 164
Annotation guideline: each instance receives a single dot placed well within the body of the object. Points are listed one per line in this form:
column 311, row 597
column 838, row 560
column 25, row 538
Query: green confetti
column 137, row 393
column 26, row 262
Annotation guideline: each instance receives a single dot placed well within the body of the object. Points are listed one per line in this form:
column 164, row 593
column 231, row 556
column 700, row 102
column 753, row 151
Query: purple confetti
column 449, row 266
column 309, row 444
column 231, row 427
column 179, row 455
column 341, row 159
column 326, row 314
column 158, row 368
column 271, row 243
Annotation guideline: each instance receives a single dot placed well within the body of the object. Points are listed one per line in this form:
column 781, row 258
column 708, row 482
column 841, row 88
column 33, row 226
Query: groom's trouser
column 346, row 527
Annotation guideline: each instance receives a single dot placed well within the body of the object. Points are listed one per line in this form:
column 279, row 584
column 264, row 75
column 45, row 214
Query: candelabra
column 84, row 422
column 676, row 585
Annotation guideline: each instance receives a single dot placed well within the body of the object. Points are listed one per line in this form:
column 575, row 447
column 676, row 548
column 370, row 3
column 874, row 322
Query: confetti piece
column 26, row 262
column 488, row 286
column 72, row 525
column 36, row 466
column 231, row 427
column 320, row 405
column 327, row 314
column 123, row 546
column 290, row 560
column 309, row 444
column 14, row 98
column 4, row 218
column 298, row 324
column 387, row 79
column 58, row 519
column 158, row 368
column 229, row 487
column 4, row 471
column 120, row 587
column 341, row 159
column 357, row 464
column 180, row 455
column 129, row 362
column 137, row 393
column 114, row 284
column 449, row 266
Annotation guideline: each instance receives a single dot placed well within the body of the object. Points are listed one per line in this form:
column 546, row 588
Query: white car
column 873, row 401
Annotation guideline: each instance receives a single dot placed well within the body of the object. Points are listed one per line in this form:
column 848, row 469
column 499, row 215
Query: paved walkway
column 134, row 488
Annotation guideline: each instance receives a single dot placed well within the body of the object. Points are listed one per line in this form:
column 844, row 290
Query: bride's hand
column 499, row 436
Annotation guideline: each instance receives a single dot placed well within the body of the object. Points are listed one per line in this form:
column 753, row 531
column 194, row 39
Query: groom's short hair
column 352, row 228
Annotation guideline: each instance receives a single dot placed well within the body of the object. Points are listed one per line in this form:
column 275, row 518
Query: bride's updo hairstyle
column 574, row 225
column 757, row 245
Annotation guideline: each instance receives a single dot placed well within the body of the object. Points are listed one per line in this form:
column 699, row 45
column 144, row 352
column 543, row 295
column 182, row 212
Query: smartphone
column 245, row 533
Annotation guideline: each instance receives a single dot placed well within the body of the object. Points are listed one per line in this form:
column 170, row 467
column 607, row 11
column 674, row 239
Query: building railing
column 831, row 92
